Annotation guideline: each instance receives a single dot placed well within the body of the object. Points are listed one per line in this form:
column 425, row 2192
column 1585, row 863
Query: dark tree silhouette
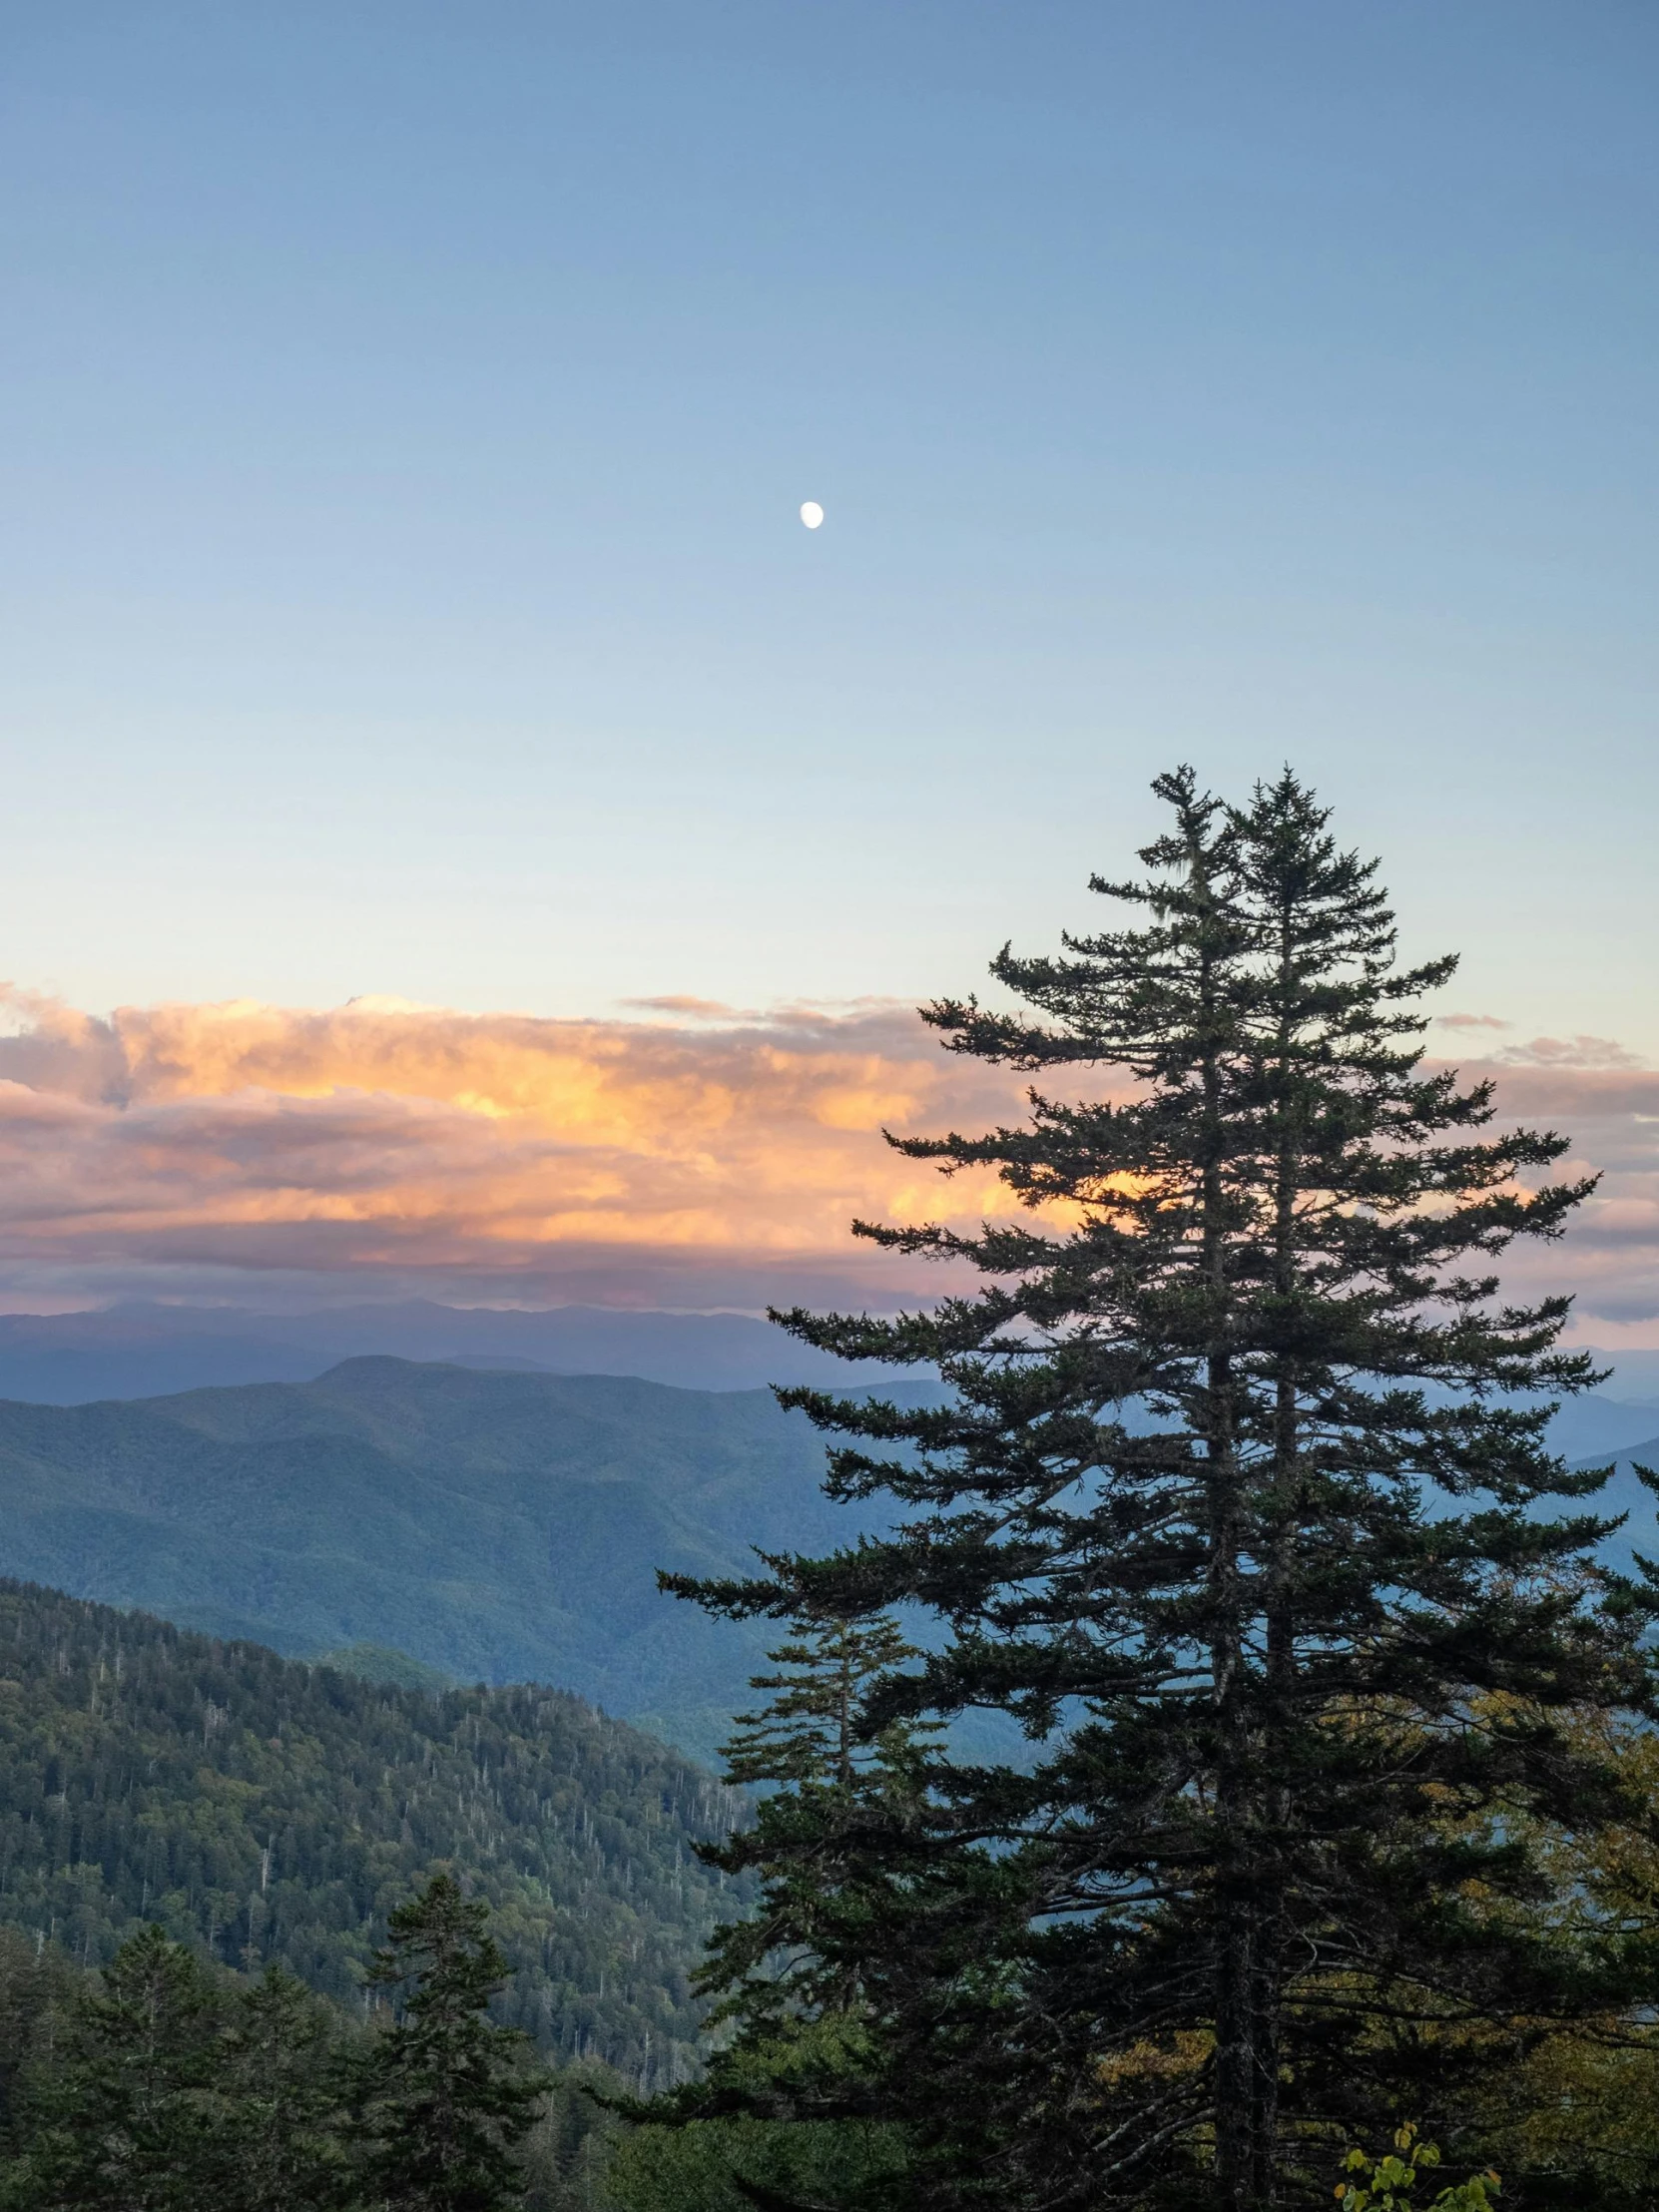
column 1239, row 1504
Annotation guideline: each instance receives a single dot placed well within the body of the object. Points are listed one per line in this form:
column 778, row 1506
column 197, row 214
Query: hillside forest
column 262, row 1812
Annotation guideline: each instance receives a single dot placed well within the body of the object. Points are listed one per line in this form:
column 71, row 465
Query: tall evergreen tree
column 445, row 2094
column 1237, row 1504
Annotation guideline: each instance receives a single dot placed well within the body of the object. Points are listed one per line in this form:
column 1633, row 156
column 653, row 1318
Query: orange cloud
column 671, row 1160
column 700, row 1157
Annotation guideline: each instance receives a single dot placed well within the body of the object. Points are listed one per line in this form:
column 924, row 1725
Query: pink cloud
column 503, row 1155
column 1569, row 1052
column 697, row 1158
column 1607, row 1102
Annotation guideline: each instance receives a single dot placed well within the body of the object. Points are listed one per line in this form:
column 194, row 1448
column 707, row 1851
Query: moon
column 811, row 514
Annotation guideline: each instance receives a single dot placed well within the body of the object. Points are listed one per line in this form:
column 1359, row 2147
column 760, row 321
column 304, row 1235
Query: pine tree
column 808, row 1733
column 37, row 1987
column 828, row 1846
column 1237, row 1506
column 124, row 2120
column 445, row 2094
column 276, row 2077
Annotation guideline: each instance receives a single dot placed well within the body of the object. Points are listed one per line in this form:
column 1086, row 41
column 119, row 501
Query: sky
column 403, row 601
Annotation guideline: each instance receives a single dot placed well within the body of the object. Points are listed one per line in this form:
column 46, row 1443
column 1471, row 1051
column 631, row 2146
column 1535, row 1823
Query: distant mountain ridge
column 494, row 1524
column 151, row 1350
column 498, row 1526
column 1625, row 1492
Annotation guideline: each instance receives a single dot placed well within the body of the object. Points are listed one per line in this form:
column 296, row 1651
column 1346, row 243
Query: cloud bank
column 697, row 1158
column 702, row 1159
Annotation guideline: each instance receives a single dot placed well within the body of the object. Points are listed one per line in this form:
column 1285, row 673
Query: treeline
column 160, row 2081
column 263, row 1812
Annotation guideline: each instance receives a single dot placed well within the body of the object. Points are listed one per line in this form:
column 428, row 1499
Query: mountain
column 148, row 1351
column 261, row 1809
column 1626, row 1494
column 497, row 1526
column 1595, row 1422
column 1635, row 1376
column 143, row 1350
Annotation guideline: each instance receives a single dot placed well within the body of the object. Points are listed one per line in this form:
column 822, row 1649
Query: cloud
column 1607, row 1102
column 1569, row 1052
column 695, row 1009
column 701, row 1157
column 495, row 1155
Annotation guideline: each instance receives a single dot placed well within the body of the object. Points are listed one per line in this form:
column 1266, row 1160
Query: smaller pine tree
column 828, row 1840
column 126, row 2117
column 786, row 2115
column 810, row 1733
column 445, row 2094
column 278, row 2075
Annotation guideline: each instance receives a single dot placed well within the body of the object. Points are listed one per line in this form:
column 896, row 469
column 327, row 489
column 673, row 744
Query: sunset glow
column 696, row 1158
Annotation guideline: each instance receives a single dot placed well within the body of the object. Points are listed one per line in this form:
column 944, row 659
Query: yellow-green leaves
column 1388, row 2183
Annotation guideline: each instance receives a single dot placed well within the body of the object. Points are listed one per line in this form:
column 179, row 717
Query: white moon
column 811, row 514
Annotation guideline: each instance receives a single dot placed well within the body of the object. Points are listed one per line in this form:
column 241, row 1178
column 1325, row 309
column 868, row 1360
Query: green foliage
column 1388, row 2183
column 277, row 2066
column 161, row 2085
column 567, row 2153
column 783, row 2115
column 37, row 1983
column 444, row 2095
column 262, row 1810
column 827, row 1841
column 808, row 1735
column 127, row 2116
column 735, row 2165
column 166, row 2086
column 1240, row 1506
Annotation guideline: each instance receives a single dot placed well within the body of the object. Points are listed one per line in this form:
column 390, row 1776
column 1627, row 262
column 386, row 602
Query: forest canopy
column 263, row 1811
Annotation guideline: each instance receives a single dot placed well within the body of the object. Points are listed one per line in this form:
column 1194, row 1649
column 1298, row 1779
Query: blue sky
column 408, row 407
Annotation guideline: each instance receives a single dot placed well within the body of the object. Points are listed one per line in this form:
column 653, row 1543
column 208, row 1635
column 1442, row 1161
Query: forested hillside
column 495, row 1526
column 262, row 1810
column 498, row 1526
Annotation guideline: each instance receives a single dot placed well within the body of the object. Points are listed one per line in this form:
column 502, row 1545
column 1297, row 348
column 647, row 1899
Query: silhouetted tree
column 1237, row 1506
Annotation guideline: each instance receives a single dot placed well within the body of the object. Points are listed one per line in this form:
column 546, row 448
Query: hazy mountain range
column 501, row 1526
column 147, row 1351
column 496, row 1525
